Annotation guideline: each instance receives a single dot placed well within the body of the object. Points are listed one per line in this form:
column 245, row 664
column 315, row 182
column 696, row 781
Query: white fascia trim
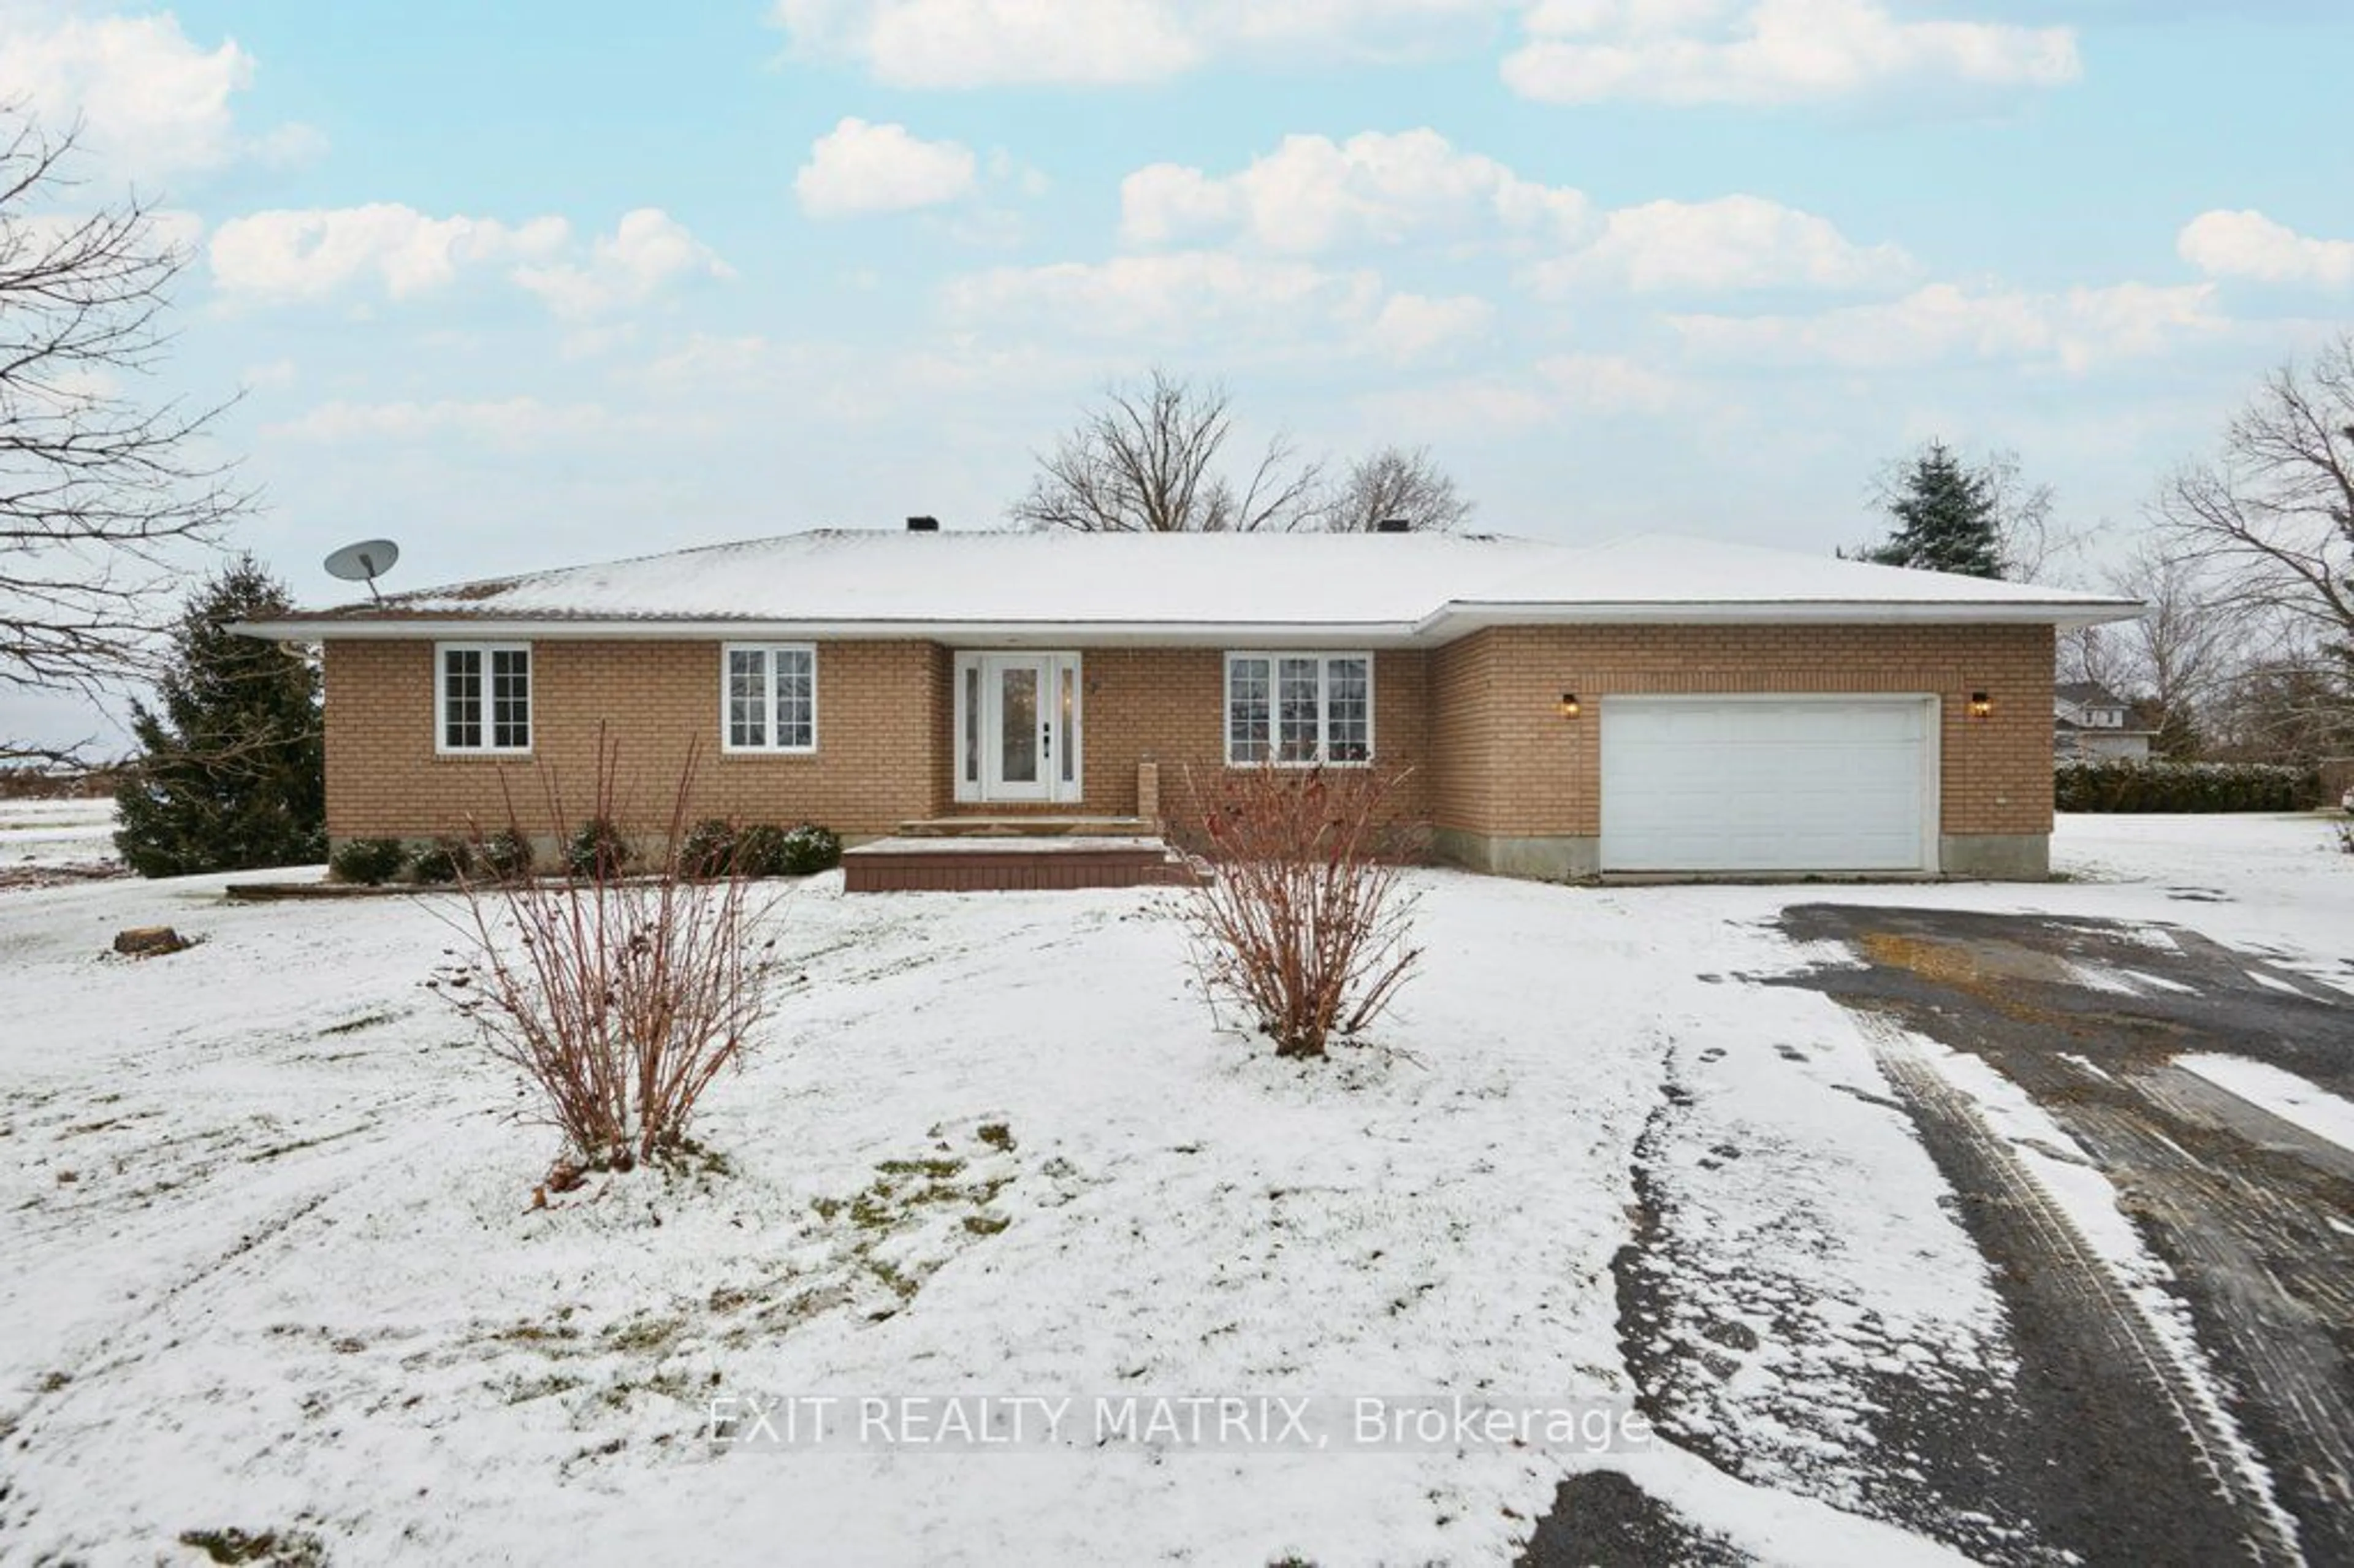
column 1043, row 636
column 1470, row 615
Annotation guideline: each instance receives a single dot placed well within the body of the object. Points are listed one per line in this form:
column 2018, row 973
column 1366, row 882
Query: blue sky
column 533, row 284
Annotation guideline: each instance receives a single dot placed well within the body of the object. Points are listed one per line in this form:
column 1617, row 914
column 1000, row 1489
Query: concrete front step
column 973, row 863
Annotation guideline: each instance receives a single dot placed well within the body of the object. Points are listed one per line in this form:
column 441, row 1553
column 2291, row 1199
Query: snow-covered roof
column 1381, row 587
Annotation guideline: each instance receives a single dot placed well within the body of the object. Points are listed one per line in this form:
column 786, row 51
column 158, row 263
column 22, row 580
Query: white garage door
column 1766, row 784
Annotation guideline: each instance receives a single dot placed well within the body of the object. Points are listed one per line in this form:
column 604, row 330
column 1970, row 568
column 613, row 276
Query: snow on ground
column 56, row 832
column 2288, row 1096
column 272, row 1261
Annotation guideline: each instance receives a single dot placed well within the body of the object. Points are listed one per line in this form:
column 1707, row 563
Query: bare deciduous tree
column 2178, row 658
column 2182, row 646
column 1145, row 461
column 96, row 486
column 1400, row 482
column 2033, row 543
column 2272, row 516
column 2289, row 704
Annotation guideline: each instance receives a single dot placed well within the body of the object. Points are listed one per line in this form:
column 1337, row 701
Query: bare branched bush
column 1303, row 920
column 620, row 997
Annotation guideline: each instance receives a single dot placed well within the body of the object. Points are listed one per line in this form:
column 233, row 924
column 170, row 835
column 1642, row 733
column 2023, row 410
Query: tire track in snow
column 2067, row 1262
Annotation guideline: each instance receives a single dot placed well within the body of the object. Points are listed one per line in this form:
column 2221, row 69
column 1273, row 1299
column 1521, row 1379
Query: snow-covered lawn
column 272, row 1261
column 56, row 832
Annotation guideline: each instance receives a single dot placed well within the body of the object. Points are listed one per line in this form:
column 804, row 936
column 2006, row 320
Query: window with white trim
column 1300, row 708
column 768, row 697
column 482, row 696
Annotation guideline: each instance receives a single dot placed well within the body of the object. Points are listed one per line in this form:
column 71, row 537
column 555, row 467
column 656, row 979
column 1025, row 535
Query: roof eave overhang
column 1449, row 622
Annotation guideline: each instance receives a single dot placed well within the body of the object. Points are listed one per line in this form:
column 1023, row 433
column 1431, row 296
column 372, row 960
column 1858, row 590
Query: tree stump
column 149, row 941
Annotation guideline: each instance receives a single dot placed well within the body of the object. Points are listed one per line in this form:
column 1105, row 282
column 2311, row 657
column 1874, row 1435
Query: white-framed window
column 1299, row 709
column 482, row 697
column 768, row 697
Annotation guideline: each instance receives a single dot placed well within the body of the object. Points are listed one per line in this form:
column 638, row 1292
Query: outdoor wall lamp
column 1570, row 706
column 1981, row 705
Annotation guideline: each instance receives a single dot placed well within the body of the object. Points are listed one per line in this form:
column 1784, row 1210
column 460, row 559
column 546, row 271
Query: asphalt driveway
column 2114, row 1441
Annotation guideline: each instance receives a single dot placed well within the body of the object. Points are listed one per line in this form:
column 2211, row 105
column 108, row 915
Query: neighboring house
column 2089, row 721
column 1652, row 705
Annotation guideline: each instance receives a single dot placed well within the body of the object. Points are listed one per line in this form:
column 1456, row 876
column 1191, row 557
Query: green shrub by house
column 760, row 851
column 505, row 856
column 443, row 862
column 370, row 862
column 709, row 850
column 596, row 850
column 2116, row 784
column 765, row 848
column 810, row 849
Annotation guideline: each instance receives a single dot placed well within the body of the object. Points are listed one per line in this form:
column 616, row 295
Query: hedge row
column 596, row 847
column 2116, row 784
column 503, row 856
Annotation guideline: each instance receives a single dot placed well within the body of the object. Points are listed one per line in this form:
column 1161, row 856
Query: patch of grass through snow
column 267, row 1548
column 868, row 1252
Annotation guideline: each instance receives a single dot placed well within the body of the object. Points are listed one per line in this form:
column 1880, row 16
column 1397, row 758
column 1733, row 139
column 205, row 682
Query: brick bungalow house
column 1654, row 705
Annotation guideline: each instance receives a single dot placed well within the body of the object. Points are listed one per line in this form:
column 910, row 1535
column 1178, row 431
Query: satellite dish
column 363, row 562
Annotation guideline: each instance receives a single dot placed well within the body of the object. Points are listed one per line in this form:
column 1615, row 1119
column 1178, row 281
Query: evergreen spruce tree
column 233, row 770
column 1948, row 518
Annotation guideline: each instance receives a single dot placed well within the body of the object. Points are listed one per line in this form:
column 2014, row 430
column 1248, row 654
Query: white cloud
column 1943, row 322
column 972, row 43
column 1770, row 52
column 1734, row 242
column 1609, row 384
column 154, row 104
column 272, row 257
column 1411, row 327
column 975, row 43
column 1557, row 388
column 1169, row 296
column 1204, row 299
column 308, row 254
column 857, row 167
column 648, row 252
column 1313, row 194
column 2248, row 245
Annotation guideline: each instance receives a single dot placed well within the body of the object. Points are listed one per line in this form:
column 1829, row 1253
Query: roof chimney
column 923, row 524
column 1392, row 526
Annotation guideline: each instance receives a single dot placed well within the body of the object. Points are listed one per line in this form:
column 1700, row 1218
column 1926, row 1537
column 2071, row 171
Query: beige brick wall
column 1509, row 764
column 879, row 724
column 1474, row 720
column 1169, row 704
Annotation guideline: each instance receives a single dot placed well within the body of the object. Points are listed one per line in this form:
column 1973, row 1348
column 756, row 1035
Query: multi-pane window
column 1348, row 710
column 1300, row 708
column 1247, row 709
column 483, row 696
column 768, row 696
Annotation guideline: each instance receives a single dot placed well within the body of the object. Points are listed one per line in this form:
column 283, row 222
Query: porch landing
column 1027, row 826
column 967, row 854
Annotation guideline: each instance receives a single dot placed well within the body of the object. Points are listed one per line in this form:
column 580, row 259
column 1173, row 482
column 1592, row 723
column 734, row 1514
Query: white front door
column 1017, row 725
